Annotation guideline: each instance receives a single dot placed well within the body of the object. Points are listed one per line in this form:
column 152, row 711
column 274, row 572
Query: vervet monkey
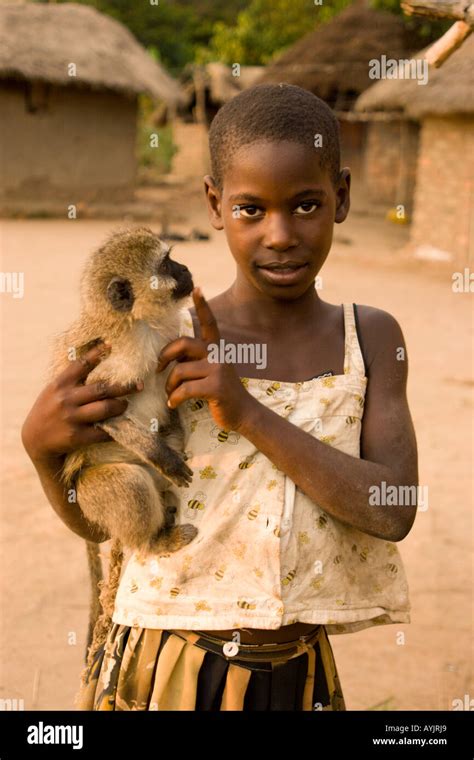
column 131, row 296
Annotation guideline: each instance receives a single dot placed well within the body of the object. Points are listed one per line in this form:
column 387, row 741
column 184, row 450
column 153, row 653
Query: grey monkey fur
column 131, row 297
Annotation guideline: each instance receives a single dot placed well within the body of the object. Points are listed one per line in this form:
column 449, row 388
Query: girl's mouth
column 283, row 274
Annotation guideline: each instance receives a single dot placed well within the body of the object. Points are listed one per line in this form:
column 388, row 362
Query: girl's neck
column 250, row 307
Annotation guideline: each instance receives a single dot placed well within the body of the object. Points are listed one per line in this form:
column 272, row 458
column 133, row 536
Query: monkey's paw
column 172, row 539
column 175, row 469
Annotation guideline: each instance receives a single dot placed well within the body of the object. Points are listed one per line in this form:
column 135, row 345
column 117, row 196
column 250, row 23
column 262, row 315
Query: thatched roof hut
column 443, row 109
column 450, row 89
column 69, row 82
column 41, row 41
column 333, row 60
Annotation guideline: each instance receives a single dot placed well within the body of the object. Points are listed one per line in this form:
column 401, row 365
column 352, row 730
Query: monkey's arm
column 150, row 447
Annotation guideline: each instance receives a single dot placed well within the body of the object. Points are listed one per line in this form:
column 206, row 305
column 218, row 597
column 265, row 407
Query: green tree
column 265, row 28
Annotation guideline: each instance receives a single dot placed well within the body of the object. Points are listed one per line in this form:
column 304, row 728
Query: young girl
column 286, row 452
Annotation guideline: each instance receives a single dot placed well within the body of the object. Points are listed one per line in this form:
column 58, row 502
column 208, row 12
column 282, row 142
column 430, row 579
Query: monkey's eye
column 165, row 266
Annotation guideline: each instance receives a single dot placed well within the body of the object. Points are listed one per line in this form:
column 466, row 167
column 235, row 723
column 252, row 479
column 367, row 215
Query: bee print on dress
column 271, row 389
column 198, row 502
column 244, row 381
column 303, row 538
column 253, row 512
column 288, row 578
column 391, row 569
column 322, row 521
column 195, row 404
column 223, row 436
column 351, row 420
column 246, row 462
column 271, row 484
column 219, row 572
column 244, row 605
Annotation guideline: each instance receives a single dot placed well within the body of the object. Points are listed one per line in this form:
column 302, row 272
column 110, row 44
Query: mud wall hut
column 206, row 88
column 69, row 81
column 443, row 213
column 332, row 61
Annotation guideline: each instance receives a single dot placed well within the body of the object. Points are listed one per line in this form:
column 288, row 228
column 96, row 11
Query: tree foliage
column 249, row 32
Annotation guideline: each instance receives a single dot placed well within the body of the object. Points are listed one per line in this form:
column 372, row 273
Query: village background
column 125, row 141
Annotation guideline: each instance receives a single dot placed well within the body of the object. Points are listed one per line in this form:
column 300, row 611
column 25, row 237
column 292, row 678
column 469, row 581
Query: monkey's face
column 134, row 276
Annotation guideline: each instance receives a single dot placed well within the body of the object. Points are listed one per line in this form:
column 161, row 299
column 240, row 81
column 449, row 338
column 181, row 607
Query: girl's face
column 278, row 208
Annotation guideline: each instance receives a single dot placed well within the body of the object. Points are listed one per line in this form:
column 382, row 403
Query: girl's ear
column 343, row 195
column 213, row 199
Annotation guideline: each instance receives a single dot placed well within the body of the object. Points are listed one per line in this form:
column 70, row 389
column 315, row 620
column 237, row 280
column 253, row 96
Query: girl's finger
column 78, row 369
column 93, row 434
column 181, row 350
column 99, row 411
column 207, row 321
column 189, row 389
column 86, row 394
column 185, row 371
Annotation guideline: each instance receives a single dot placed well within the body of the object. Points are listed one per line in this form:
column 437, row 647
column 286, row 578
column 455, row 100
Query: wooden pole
column 455, row 36
column 455, row 9
column 448, row 43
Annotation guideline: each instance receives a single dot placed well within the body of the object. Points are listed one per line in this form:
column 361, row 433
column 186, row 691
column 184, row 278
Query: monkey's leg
column 124, row 500
column 150, row 447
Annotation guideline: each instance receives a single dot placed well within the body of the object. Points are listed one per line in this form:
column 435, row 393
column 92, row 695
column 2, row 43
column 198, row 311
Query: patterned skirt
column 154, row 669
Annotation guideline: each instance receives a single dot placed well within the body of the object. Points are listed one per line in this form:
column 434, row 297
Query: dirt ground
column 44, row 590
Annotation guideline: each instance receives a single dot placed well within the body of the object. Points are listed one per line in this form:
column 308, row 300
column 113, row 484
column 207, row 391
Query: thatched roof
column 333, row 60
column 38, row 42
column 450, row 89
column 223, row 86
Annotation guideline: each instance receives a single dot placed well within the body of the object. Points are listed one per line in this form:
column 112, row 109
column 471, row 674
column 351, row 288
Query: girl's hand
column 195, row 377
column 62, row 417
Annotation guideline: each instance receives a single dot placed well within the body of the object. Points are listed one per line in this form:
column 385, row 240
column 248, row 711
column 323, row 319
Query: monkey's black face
column 184, row 280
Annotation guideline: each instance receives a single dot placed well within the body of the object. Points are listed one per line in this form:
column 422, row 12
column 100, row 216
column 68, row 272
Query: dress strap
column 186, row 326
column 353, row 357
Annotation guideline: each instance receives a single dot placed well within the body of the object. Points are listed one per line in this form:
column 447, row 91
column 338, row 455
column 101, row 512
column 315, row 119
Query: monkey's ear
column 120, row 294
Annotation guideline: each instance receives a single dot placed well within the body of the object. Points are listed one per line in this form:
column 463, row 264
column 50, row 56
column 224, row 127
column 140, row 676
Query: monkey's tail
column 96, row 576
column 102, row 603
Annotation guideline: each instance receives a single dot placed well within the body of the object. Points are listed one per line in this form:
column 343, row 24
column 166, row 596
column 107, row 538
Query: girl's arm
column 62, row 420
column 340, row 484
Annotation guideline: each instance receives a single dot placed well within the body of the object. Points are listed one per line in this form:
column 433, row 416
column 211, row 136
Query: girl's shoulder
column 378, row 332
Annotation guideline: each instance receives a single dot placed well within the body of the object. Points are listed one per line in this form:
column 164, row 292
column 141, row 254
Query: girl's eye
column 249, row 211
column 254, row 212
column 312, row 206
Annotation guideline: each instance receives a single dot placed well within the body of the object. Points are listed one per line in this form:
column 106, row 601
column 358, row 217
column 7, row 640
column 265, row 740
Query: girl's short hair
column 274, row 112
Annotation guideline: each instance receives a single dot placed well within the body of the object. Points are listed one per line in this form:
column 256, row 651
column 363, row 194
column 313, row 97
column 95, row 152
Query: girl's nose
column 279, row 233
